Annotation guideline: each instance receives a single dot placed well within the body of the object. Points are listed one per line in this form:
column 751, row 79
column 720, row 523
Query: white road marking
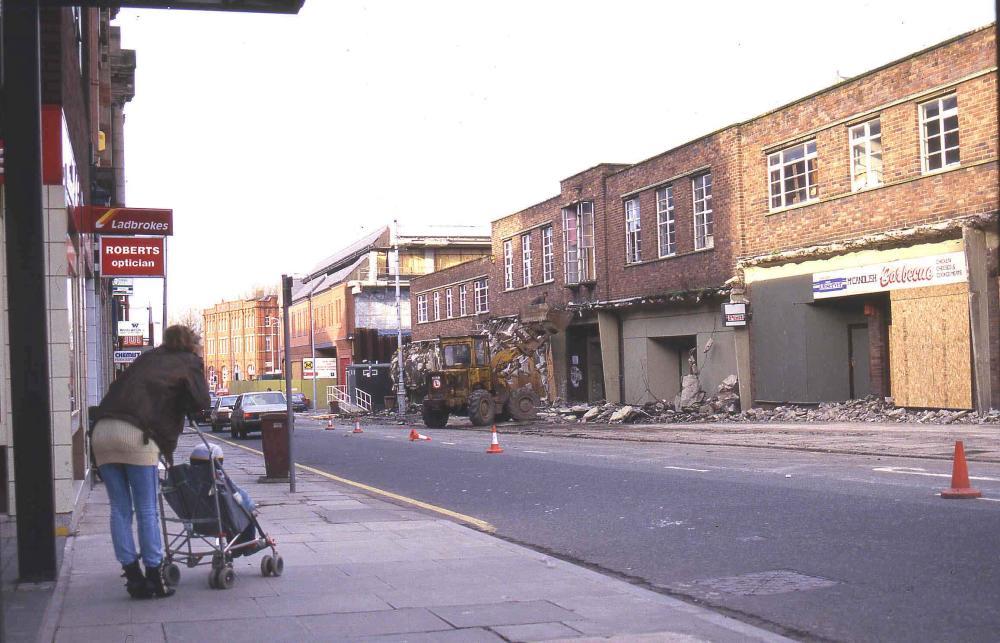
column 990, row 499
column 538, row 452
column 917, row 471
column 688, row 469
column 451, row 444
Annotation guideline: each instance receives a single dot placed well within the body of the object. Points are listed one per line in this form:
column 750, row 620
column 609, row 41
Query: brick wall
column 688, row 268
column 908, row 197
column 463, row 274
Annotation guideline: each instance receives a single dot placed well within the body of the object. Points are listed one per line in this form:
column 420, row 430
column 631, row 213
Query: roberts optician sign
column 934, row 270
column 132, row 257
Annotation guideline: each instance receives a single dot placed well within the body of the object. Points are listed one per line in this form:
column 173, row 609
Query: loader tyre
column 523, row 405
column 435, row 419
column 482, row 411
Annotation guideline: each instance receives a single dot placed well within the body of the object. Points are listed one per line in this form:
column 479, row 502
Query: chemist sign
column 132, row 257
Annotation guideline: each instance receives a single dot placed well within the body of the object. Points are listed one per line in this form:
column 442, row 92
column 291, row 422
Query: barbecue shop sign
column 919, row 272
column 132, row 257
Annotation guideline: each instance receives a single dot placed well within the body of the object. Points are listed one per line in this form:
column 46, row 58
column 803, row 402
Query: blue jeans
column 130, row 485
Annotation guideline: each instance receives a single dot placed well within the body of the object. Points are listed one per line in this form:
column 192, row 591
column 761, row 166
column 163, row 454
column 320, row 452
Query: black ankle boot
column 135, row 582
column 155, row 584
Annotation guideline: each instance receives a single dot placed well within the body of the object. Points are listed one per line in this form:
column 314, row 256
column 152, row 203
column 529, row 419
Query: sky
column 277, row 140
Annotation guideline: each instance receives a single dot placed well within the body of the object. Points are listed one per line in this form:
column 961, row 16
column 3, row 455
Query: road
column 815, row 546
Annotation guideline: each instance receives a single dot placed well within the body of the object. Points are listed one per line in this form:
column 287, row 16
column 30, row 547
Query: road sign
column 308, row 368
column 130, row 328
column 132, row 257
column 126, row 357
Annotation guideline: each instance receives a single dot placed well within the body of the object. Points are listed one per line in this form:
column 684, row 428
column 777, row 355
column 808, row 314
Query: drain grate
column 779, row 581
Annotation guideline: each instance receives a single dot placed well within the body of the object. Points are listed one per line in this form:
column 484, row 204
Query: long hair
column 180, row 338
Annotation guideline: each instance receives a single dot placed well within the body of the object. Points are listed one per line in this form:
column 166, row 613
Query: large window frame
column 666, row 224
column 463, row 307
column 792, row 176
column 866, row 155
column 421, row 309
column 437, row 305
column 939, row 134
column 548, row 255
column 526, row 259
column 449, row 306
column 482, row 295
column 633, row 231
column 704, row 223
column 508, row 264
column 578, row 243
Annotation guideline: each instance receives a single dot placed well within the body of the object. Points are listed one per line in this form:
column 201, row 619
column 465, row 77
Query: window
column 633, row 233
column 457, row 355
column 267, row 343
column 793, row 175
column 421, row 308
column 701, row 186
column 449, row 309
column 463, row 308
column 526, row 258
column 866, row 155
column 437, row 306
column 578, row 241
column 666, row 227
column 939, row 133
column 508, row 264
column 548, row 255
column 480, row 345
column 482, row 296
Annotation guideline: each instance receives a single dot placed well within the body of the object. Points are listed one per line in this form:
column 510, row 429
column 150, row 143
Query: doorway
column 859, row 357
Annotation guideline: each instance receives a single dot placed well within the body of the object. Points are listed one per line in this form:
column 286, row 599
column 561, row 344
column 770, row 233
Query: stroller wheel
column 213, row 579
column 278, row 566
column 172, row 575
column 226, row 578
column 266, row 565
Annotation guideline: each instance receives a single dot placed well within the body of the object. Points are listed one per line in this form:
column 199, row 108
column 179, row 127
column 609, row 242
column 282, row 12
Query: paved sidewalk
column 936, row 441
column 361, row 568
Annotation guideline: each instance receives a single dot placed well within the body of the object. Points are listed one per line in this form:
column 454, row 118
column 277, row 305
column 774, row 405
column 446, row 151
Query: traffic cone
column 495, row 445
column 329, row 425
column 417, row 436
column 357, row 427
column 960, row 477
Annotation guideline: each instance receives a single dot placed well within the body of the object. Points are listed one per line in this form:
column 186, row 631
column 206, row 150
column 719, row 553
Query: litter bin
column 274, row 436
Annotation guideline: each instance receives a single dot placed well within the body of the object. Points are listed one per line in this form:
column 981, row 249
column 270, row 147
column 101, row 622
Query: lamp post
column 400, row 390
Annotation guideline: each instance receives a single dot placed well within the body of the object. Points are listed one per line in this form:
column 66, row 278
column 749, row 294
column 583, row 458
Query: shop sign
column 129, row 221
column 734, row 315
column 132, row 340
column 919, row 272
column 308, row 368
column 130, row 328
column 122, row 286
column 126, row 357
column 132, row 257
column 326, row 367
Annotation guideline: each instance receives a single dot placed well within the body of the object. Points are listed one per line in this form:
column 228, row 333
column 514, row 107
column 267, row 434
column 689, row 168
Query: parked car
column 222, row 411
column 300, row 402
column 248, row 409
column 204, row 416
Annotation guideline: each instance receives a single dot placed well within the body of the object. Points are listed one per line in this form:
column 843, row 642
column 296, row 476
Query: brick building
column 345, row 307
column 241, row 340
column 893, row 171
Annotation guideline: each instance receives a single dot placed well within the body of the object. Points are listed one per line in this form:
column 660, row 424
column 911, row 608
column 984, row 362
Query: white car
column 250, row 406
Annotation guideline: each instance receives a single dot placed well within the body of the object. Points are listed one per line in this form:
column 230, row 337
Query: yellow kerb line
column 481, row 525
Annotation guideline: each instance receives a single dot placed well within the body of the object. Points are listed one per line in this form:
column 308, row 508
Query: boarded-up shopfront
column 889, row 322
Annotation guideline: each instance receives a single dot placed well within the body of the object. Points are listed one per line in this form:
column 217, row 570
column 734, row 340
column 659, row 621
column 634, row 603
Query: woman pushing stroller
column 141, row 417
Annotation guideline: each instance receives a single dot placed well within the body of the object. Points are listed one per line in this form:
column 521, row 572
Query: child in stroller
column 215, row 511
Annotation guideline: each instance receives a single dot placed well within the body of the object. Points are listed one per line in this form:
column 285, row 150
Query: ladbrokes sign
column 132, row 257
column 918, row 272
column 128, row 221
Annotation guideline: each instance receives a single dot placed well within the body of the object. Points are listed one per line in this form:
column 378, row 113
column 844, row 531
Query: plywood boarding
column 929, row 354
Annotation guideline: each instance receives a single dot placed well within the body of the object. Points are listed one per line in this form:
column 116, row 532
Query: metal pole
column 286, row 292
column 24, row 225
column 400, row 390
column 163, row 325
column 312, row 345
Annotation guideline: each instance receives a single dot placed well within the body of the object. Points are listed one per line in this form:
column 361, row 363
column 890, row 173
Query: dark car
column 204, row 416
column 221, row 412
column 248, row 409
column 300, row 402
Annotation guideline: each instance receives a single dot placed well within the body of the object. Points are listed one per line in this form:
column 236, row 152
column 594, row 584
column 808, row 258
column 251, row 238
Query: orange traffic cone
column 495, row 446
column 960, row 477
column 329, row 425
column 417, row 436
column 357, row 427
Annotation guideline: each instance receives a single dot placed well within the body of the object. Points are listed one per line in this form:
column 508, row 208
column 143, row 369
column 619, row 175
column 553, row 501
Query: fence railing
column 362, row 401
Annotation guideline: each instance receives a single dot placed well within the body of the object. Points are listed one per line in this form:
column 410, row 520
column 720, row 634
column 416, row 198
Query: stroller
column 212, row 524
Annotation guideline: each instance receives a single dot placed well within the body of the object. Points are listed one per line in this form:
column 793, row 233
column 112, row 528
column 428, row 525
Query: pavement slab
column 360, row 568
